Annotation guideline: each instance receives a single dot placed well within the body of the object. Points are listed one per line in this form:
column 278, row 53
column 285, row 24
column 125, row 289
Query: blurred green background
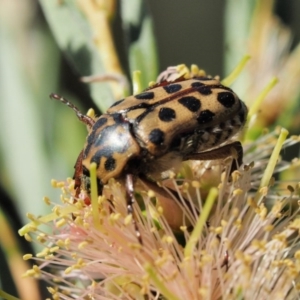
column 40, row 139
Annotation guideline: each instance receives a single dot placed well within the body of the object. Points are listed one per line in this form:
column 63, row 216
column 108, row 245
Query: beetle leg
column 129, row 202
column 234, row 149
column 78, row 173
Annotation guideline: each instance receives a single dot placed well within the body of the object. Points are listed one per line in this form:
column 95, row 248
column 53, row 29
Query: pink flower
column 244, row 246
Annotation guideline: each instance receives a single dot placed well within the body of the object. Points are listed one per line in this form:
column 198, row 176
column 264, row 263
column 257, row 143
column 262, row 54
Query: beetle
column 151, row 132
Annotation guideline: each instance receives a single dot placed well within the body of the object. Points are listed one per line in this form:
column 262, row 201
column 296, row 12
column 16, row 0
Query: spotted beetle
column 146, row 134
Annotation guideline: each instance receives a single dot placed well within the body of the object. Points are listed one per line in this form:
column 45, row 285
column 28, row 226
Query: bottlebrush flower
column 215, row 236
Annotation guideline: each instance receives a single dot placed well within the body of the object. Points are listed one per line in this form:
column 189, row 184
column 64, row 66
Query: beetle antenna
column 83, row 118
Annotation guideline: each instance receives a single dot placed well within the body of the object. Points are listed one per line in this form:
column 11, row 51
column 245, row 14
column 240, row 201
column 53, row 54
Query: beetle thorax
column 110, row 145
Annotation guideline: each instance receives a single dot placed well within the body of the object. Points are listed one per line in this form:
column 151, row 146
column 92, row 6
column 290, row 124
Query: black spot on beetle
column 91, row 137
column 89, row 144
column 191, row 103
column 197, row 84
column 144, row 114
column 118, row 118
column 97, row 158
column 117, row 103
column 145, row 96
column 226, row 99
column 202, row 78
column 101, row 139
column 202, row 88
column 166, row 114
column 110, row 164
column 205, row 116
column 172, row 88
column 104, row 152
column 157, row 137
column 205, row 90
column 100, row 122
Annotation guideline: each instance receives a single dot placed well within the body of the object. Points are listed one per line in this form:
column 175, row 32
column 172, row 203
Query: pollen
column 235, row 211
column 203, row 292
column 91, row 113
column 79, row 220
column 115, row 216
column 54, row 249
column 206, row 259
column 31, row 217
column 79, row 203
column 68, row 270
column 218, row 230
column 71, row 185
column 202, row 251
column 128, row 220
column 168, row 239
column 281, row 237
column 151, row 83
column 160, row 210
column 214, row 244
column 43, row 253
column 61, row 223
column 82, row 245
column 60, row 184
column 54, row 183
column 264, row 191
column 238, row 192
column 261, row 245
column 47, row 200
column 238, row 223
column 297, row 254
column 262, row 211
column 224, row 223
column 28, row 237
column 151, row 194
column 277, row 208
column 60, row 243
column 183, row 228
column 196, row 184
column 67, row 242
column 86, row 225
column 269, row 228
column 56, row 210
column 27, row 256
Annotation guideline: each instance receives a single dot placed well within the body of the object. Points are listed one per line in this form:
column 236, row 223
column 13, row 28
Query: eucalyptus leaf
column 140, row 38
column 74, row 36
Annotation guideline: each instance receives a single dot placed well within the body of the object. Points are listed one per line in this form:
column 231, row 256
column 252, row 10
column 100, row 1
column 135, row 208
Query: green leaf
column 74, row 36
column 141, row 41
